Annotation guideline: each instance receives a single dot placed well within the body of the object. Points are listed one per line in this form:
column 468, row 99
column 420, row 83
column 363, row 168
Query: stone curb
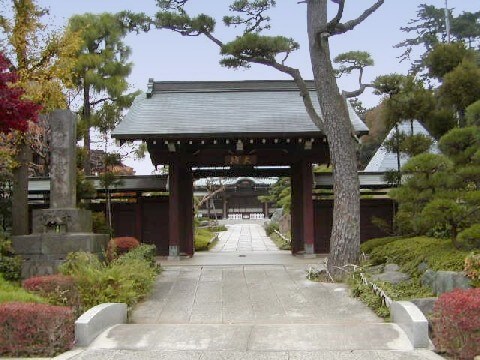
column 96, row 320
column 409, row 317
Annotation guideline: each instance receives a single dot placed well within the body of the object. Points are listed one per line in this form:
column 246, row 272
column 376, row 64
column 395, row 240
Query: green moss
column 408, row 253
column 10, row 292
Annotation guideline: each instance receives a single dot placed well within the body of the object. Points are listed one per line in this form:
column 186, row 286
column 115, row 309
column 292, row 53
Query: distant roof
column 384, row 160
column 221, row 108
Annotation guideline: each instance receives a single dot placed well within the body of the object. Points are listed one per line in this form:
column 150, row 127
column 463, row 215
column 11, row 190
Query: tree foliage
column 100, row 72
column 15, row 111
column 441, row 195
column 429, row 30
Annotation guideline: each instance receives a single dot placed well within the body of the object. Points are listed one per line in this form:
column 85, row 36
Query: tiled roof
column 235, row 108
column 384, row 160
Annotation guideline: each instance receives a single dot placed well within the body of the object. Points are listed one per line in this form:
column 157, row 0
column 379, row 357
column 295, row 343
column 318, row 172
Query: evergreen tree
column 101, row 70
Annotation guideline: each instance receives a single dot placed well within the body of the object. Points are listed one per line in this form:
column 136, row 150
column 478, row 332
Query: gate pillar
column 180, row 206
column 302, row 208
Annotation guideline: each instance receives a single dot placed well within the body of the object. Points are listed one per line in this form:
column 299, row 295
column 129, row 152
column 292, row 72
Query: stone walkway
column 244, row 238
column 248, row 312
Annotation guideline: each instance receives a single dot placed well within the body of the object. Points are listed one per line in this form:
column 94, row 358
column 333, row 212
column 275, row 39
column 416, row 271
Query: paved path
column 250, row 312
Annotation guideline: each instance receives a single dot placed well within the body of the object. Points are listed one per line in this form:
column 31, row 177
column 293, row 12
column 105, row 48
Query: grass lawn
column 203, row 239
column 9, row 292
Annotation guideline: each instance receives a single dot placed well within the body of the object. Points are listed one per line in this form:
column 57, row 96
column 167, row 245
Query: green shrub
column 10, row 264
column 366, row 295
column 77, row 261
column 438, row 254
column 126, row 279
column 271, row 227
column 12, row 293
column 472, row 268
column 371, row 244
column 28, row 329
column 470, row 238
column 143, row 252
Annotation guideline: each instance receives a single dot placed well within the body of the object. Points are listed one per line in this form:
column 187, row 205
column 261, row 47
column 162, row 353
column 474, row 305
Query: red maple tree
column 15, row 111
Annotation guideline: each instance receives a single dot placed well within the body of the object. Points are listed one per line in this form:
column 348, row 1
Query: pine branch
column 332, row 24
column 350, row 25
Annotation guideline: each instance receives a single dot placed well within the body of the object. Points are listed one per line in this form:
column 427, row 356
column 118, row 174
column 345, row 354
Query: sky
column 167, row 56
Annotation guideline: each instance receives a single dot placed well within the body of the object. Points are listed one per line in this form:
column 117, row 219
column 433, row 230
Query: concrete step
column 253, row 337
column 250, row 355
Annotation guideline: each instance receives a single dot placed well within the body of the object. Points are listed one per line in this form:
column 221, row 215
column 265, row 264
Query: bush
column 470, row 238
column 121, row 245
column 143, row 252
column 10, row 264
column 472, row 268
column 456, row 323
column 28, row 329
column 438, row 254
column 271, row 227
column 371, row 244
column 57, row 289
column 126, row 279
column 10, row 292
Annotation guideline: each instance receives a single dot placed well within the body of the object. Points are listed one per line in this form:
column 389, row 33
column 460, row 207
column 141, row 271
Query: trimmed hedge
column 456, row 323
column 28, row 329
column 438, row 254
column 121, row 245
column 57, row 289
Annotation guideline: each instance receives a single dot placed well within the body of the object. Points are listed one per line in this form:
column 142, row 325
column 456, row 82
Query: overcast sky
column 163, row 55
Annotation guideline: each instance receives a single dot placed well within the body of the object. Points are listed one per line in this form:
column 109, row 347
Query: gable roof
column 384, row 160
column 221, row 108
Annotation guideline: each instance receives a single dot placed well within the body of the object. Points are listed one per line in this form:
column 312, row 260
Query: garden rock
column 391, row 274
column 445, row 281
column 391, row 268
column 425, row 304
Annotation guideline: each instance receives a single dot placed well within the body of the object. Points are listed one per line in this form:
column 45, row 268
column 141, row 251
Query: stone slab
column 255, row 355
column 412, row 321
column 174, row 337
column 97, row 319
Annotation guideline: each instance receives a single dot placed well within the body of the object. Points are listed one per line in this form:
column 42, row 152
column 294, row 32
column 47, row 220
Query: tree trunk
column 20, row 218
column 345, row 236
column 86, row 137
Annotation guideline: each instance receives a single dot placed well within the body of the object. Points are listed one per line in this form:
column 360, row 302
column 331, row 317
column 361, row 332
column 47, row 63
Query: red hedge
column 28, row 329
column 48, row 283
column 456, row 323
column 57, row 289
column 121, row 245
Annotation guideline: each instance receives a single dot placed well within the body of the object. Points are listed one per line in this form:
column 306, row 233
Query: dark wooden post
column 296, row 209
column 224, row 206
column 186, row 222
column 174, row 213
column 307, row 207
column 138, row 217
column 302, row 208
